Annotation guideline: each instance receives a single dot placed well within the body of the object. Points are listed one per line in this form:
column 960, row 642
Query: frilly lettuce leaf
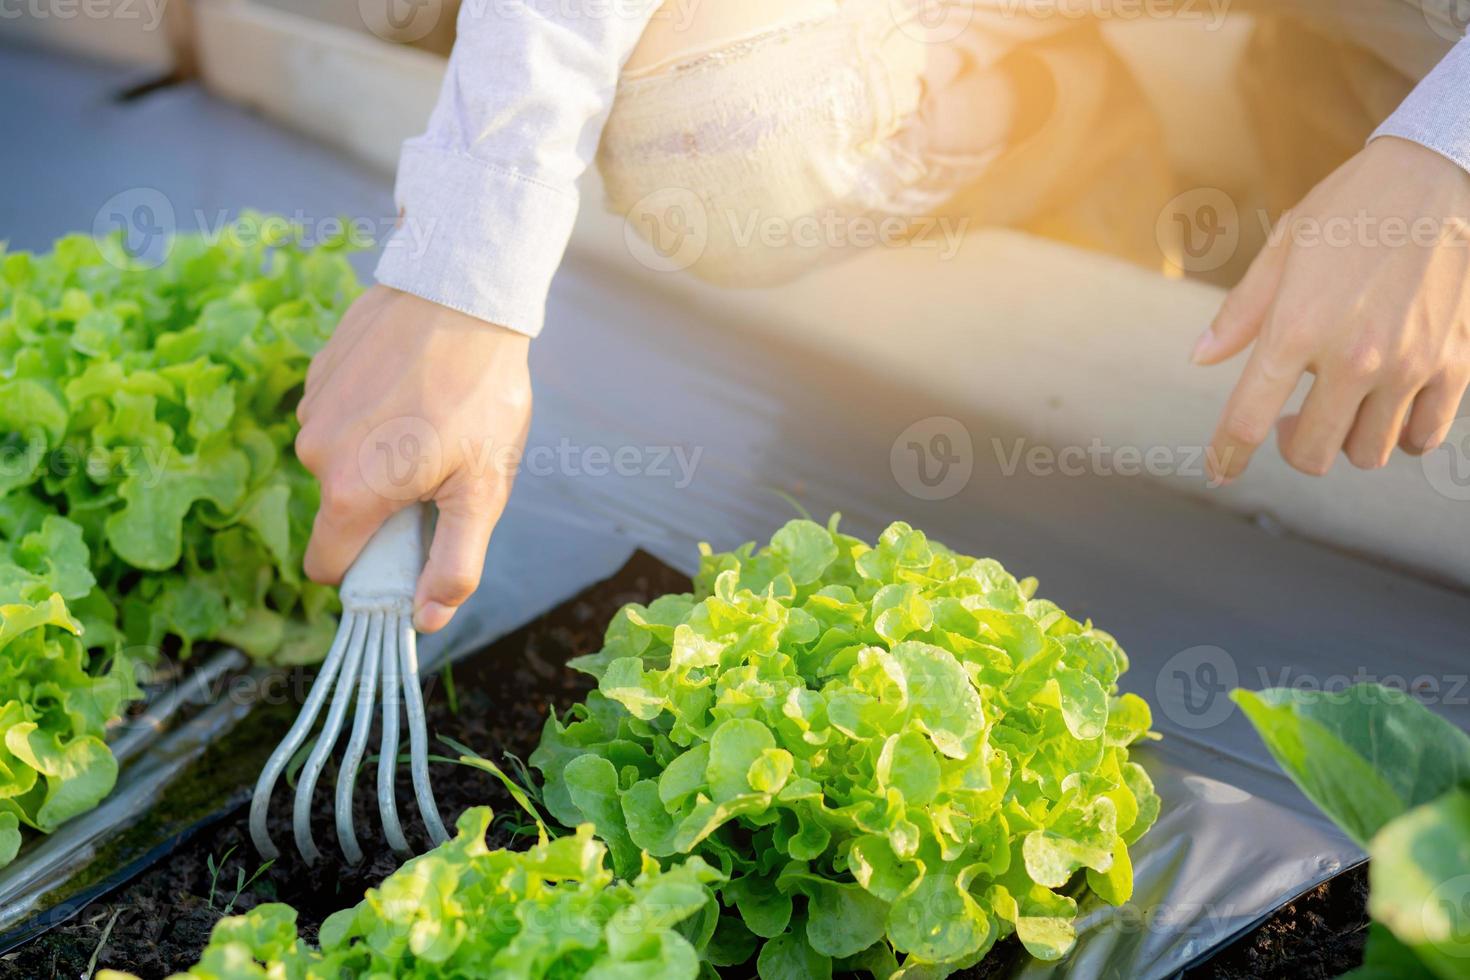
column 153, row 408
column 462, row 910
column 896, row 754
column 149, row 494
column 56, row 698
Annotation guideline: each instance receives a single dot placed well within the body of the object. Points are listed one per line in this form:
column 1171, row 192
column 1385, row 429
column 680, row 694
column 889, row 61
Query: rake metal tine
column 281, row 757
column 346, row 680
column 418, row 735
column 362, row 722
column 388, row 751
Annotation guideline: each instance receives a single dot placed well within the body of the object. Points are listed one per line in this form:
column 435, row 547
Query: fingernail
column 1203, row 347
column 431, row 617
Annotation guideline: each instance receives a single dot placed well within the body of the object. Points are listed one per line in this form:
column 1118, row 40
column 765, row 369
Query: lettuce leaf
column 462, row 910
column 154, row 410
column 895, row 753
column 149, row 493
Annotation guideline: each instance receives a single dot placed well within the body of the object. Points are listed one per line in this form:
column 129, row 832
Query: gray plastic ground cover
column 723, row 423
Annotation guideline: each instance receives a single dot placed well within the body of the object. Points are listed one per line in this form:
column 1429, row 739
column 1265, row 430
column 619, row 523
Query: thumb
column 456, row 557
column 1244, row 311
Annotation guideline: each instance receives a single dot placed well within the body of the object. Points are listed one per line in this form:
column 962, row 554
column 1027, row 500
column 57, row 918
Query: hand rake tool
column 375, row 645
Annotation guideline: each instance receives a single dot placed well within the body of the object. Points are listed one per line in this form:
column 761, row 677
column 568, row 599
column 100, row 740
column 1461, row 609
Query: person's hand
column 1366, row 286
column 412, row 401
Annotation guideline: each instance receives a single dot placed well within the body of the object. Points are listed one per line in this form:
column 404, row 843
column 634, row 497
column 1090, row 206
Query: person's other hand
column 1366, row 286
column 412, row 401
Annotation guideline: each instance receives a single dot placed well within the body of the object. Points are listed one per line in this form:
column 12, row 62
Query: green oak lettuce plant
column 153, row 408
column 896, row 754
column 149, row 494
column 464, row 910
column 1396, row 778
column 56, row 695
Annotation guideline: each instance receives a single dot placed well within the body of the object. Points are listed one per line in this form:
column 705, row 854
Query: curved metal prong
column 346, row 682
column 388, row 750
column 281, row 757
column 362, row 723
column 418, row 733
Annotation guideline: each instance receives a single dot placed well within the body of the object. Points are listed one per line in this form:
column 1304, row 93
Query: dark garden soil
column 1319, row 935
column 499, row 698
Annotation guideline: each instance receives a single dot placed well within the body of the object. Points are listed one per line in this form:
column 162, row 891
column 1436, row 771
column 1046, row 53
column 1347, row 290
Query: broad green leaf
column 1115, row 885
column 734, row 748
column 1419, row 882
column 79, row 773
column 879, row 870
column 1364, row 755
column 938, row 920
column 650, row 826
column 1079, row 836
column 764, row 907
column 806, row 549
column 593, row 784
column 788, row 957
column 9, row 836
column 842, row 918
column 942, row 699
column 148, row 531
column 27, row 405
column 1385, row 958
column 769, row 772
column 909, row 765
column 1129, row 719
column 1045, row 923
column 1083, row 702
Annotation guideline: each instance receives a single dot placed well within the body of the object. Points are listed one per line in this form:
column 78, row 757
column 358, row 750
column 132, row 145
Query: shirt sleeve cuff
column 1437, row 113
column 476, row 237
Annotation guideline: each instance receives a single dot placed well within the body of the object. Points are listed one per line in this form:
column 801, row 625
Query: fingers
column 349, row 515
column 1268, row 381
column 322, row 365
column 354, row 327
column 1323, row 425
column 1379, row 424
column 1434, row 412
column 1244, row 311
column 456, row 557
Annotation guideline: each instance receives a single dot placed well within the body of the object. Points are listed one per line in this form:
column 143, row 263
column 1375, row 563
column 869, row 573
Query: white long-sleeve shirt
column 489, row 191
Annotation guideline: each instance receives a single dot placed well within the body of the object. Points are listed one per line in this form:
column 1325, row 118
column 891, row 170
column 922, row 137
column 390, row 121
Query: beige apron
column 789, row 132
